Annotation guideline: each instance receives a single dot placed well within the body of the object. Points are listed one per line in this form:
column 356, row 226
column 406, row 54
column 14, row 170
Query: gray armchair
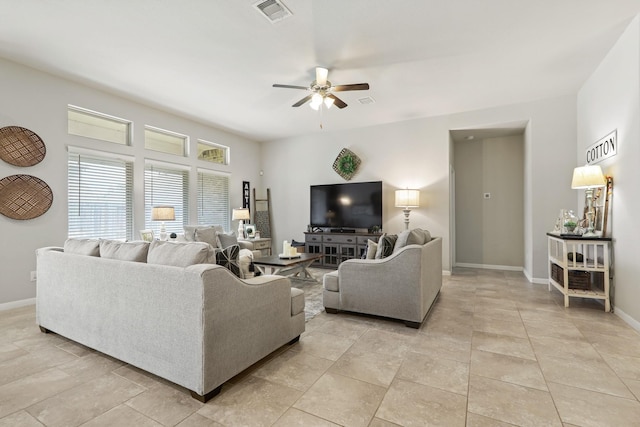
column 402, row 286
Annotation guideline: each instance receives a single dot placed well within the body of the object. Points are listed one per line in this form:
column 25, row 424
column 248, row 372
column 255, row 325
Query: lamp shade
column 588, row 177
column 163, row 213
column 240, row 213
column 407, row 198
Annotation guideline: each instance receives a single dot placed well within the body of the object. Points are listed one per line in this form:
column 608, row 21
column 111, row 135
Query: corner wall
column 610, row 99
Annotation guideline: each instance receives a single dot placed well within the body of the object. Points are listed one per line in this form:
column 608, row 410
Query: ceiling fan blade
column 302, row 101
column 291, row 86
column 337, row 101
column 356, row 86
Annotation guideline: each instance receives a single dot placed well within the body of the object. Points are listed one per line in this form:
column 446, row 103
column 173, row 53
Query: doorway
column 488, row 198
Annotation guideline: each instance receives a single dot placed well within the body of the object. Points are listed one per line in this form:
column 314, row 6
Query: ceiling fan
column 322, row 91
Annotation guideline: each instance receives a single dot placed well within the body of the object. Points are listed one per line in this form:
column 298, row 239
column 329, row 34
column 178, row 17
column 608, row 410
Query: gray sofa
column 402, row 286
column 196, row 326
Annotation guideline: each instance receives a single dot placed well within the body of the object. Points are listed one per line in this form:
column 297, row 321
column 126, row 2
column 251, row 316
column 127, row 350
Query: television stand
column 336, row 247
column 342, row 230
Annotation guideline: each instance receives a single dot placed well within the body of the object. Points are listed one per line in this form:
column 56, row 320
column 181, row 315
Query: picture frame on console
column 146, row 235
column 250, row 231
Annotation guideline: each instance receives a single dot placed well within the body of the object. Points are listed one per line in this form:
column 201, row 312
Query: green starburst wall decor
column 346, row 164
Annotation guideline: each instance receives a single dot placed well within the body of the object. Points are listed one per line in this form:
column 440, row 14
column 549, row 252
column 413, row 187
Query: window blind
column 100, row 197
column 213, row 199
column 164, row 185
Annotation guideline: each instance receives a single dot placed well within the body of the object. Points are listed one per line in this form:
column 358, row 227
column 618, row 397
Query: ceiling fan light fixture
column 328, row 102
column 321, row 76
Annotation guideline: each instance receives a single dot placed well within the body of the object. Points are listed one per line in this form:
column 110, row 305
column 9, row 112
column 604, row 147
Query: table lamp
column 407, row 199
column 589, row 178
column 241, row 214
column 163, row 213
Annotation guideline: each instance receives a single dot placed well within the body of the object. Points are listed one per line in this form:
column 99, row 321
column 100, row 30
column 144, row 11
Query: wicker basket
column 578, row 279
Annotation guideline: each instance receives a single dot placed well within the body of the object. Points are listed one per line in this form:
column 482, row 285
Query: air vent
column 366, row 100
column 273, row 10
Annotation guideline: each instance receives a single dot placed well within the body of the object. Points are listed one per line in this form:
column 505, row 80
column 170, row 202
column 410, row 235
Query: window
column 165, row 141
column 100, row 126
column 166, row 185
column 214, row 153
column 213, row 199
column 100, row 196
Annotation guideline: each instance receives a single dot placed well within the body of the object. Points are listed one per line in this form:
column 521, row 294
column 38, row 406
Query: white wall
column 416, row 154
column 38, row 101
column 610, row 99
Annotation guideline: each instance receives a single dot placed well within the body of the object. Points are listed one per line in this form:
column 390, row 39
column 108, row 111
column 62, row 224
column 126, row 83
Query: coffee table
column 287, row 266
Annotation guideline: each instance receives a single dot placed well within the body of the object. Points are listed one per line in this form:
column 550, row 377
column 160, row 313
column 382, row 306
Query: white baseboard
column 627, row 319
column 446, row 273
column 489, row 267
column 17, row 304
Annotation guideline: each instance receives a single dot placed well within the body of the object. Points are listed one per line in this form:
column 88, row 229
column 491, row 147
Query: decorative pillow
column 190, row 231
column 386, row 245
column 180, row 254
column 90, row 247
column 225, row 240
column 228, row 257
column 372, row 248
column 206, row 235
column 124, row 251
column 410, row 237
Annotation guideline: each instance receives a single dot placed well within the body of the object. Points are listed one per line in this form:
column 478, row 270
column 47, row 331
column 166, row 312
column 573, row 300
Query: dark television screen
column 351, row 205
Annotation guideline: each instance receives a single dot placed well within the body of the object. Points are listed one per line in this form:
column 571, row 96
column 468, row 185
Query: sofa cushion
column 226, row 239
column 229, row 258
column 180, row 254
column 385, row 245
column 372, row 248
column 206, row 235
column 416, row 236
column 90, row 247
column 124, row 251
column 297, row 301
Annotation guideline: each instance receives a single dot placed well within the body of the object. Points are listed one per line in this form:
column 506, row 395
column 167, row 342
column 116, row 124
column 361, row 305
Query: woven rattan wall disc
column 24, row 197
column 20, row 146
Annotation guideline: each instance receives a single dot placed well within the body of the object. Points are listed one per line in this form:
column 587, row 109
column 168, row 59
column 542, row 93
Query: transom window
column 91, row 124
column 165, row 141
column 214, row 153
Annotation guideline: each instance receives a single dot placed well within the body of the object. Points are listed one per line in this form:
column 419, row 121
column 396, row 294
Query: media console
column 336, row 247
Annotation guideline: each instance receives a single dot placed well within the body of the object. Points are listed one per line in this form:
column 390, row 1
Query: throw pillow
column 206, row 235
column 410, row 237
column 228, row 257
column 226, row 239
column 180, row 254
column 372, row 248
column 124, row 251
column 386, row 245
column 90, row 247
column 190, row 231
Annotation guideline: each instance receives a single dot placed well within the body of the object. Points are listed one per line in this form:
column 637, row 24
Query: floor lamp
column 407, row 199
column 589, row 178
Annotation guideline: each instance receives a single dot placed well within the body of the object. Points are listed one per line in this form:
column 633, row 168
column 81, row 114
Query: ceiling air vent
column 366, row 100
column 273, row 10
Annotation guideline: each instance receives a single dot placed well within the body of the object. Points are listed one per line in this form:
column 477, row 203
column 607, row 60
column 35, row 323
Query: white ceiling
column 215, row 60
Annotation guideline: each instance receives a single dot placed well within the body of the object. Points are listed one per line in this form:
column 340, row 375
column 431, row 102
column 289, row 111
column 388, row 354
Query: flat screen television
column 351, row 205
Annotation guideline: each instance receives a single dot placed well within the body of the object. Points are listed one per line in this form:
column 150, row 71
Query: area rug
column 312, row 292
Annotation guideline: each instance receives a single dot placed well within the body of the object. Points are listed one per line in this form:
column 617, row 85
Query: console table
column 336, row 247
column 579, row 267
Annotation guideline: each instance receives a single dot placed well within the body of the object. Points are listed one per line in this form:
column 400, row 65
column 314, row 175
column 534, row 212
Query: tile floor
column 495, row 351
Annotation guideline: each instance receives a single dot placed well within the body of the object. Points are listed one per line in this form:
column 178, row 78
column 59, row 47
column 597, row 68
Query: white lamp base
column 240, row 229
